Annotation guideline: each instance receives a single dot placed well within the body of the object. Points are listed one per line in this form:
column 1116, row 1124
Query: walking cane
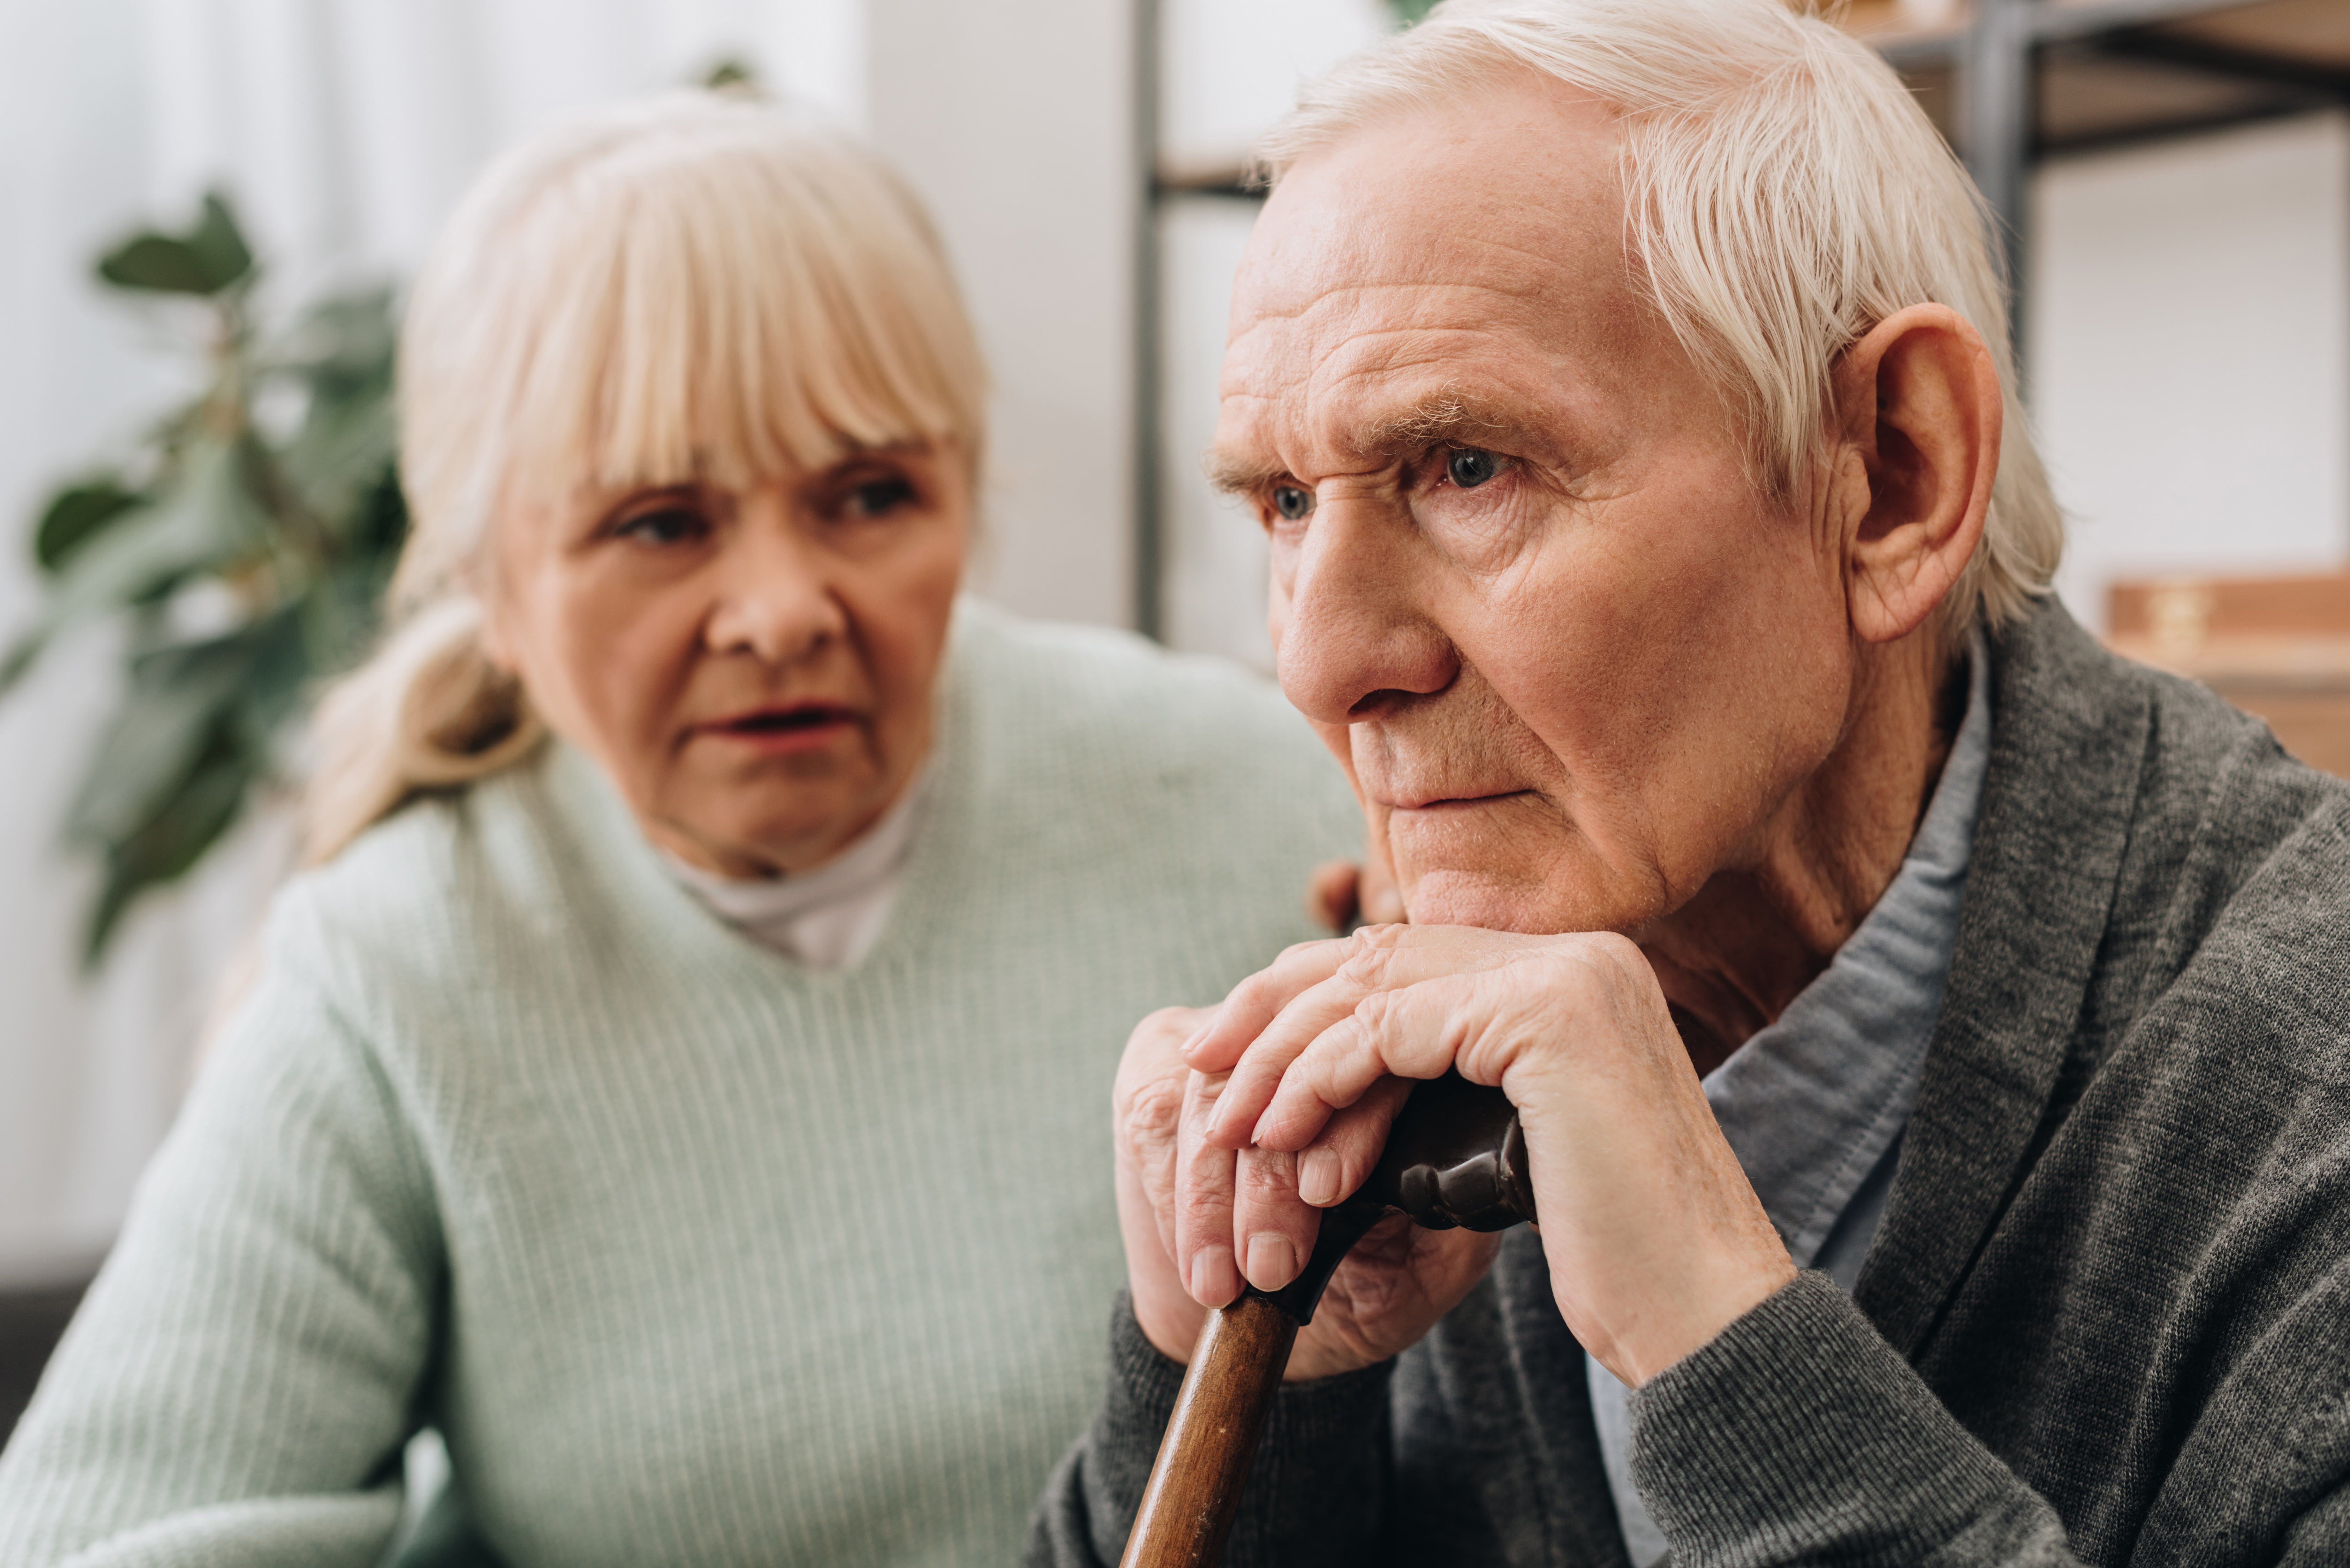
column 1456, row 1155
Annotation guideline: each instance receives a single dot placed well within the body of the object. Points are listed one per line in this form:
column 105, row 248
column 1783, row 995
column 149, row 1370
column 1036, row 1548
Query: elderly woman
column 1931, row 1033
column 678, row 1081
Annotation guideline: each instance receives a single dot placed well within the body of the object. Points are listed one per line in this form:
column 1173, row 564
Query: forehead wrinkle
column 1338, row 297
column 1374, row 401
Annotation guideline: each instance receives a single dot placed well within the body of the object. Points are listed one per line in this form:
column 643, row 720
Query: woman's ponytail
column 429, row 711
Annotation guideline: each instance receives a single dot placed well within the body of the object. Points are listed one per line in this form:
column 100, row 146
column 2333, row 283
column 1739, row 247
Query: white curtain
column 343, row 129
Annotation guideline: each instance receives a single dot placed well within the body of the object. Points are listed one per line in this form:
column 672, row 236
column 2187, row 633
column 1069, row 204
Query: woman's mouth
column 791, row 727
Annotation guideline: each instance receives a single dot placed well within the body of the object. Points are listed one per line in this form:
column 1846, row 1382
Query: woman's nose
column 1356, row 630
column 774, row 601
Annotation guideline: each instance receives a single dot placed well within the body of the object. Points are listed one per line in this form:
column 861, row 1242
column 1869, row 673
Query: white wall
column 346, row 129
column 1231, row 69
column 2189, row 354
column 1214, row 585
column 1016, row 122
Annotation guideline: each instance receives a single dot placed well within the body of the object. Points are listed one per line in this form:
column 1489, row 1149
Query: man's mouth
column 1412, row 801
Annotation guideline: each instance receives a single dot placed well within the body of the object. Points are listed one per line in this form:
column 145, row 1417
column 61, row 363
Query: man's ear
column 1918, row 410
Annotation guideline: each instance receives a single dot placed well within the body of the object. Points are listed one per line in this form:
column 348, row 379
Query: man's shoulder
column 2234, row 889
column 2255, row 839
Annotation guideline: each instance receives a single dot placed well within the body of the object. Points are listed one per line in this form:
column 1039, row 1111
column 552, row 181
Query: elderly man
column 1929, row 1031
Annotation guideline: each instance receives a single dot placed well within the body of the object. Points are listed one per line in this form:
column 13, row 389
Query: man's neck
column 1733, row 958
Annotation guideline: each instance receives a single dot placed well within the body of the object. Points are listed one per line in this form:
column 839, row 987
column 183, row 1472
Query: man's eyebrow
column 1443, row 419
column 1440, row 418
column 1235, row 475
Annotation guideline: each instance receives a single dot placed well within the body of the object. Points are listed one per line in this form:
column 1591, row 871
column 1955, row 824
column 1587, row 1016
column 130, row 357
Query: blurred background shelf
column 2114, row 70
column 2277, row 646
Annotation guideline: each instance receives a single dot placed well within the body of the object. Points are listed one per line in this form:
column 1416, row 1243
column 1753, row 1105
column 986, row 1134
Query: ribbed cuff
column 1314, row 1494
column 1799, row 1434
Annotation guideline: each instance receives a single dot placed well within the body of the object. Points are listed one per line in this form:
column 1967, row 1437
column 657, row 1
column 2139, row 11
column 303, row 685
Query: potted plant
column 245, row 540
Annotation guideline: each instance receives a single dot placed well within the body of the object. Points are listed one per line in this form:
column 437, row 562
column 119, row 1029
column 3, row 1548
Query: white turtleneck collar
column 829, row 918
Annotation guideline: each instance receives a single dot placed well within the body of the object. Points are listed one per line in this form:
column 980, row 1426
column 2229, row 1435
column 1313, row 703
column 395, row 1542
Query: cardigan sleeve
column 1798, row 1435
column 1312, row 1499
column 239, row 1382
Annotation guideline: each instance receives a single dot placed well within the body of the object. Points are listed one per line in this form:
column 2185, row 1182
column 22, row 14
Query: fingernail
column 1219, row 1121
column 1214, row 1279
column 1317, row 1177
column 1273, row 1261
column 1196, row 1035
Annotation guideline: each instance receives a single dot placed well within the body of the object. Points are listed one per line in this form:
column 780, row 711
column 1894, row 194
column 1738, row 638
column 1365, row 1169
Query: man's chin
column 1495, row 899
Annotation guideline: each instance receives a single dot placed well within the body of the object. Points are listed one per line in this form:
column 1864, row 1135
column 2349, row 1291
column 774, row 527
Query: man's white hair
column 1784, row 193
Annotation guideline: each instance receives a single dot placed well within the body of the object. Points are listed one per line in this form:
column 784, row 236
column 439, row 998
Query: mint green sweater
column 695, row 1256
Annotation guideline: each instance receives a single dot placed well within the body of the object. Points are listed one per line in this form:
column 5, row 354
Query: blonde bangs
column 728, row 320
column 709, row 290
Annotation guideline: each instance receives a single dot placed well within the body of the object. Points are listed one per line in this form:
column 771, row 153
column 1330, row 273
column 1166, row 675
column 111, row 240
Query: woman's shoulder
column 454, row 882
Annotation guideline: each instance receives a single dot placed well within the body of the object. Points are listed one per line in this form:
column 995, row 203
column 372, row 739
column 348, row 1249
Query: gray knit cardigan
column 2106, row 1319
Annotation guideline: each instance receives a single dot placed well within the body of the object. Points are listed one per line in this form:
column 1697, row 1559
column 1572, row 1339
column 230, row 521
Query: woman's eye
column 1292, row 501
column 669, row 525
column 879, row 497
column 1469, row 466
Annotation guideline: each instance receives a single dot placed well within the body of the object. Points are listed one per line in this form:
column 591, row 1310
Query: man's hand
column 1654, row 1238
column 1177, row 1200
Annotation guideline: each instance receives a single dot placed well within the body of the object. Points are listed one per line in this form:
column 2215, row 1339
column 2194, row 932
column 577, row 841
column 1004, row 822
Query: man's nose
column 774, row 601
column 1358, row 631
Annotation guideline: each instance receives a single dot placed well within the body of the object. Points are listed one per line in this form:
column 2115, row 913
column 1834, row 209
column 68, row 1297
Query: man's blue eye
column 1292, row 501
column 1469, row 467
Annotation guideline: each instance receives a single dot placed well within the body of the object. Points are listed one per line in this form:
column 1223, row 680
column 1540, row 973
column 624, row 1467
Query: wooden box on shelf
column 2275, row 647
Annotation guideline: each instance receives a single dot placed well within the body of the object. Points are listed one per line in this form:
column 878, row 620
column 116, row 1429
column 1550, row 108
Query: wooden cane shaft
column 1203, row 1459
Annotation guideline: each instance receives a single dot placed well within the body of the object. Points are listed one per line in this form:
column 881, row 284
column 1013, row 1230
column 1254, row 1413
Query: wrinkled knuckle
column 1373, row 1013
column 1149, row 1112
column 1198, row 1202
column 1268, row 1174
column 1370, row 957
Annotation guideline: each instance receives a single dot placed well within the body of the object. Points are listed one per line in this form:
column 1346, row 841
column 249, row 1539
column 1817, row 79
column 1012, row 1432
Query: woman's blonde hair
column 697, row 286
column 1784, row 193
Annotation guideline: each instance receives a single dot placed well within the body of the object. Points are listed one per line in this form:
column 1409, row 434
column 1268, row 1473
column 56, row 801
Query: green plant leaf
column 342, row 344
column 733, row 74
column 76, row 516
column 208, row 258
column 191, row 822
column 342, row 351
column 341, row 450
column 176, row 703
column 208, row 521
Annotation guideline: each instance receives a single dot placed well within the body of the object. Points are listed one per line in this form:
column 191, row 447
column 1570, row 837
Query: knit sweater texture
column 694, row 1255
column 2107, row 1317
